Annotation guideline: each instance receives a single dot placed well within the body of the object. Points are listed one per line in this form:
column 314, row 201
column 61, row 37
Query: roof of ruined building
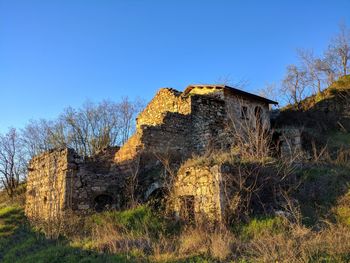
column 230, row 89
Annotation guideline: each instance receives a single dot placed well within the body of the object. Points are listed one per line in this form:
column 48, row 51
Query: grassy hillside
column 324, row 117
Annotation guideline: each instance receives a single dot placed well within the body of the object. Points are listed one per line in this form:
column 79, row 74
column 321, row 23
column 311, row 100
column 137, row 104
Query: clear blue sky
column 55, row 54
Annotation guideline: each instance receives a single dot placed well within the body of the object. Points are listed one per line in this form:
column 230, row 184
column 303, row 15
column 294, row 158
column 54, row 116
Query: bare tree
column 42, row 135
column 295, row 84
column 35, row 138
column 338, row 53
column 12, row 163
column 126, row 112
column 87, row 130
column 317, row 70
column 269, row 91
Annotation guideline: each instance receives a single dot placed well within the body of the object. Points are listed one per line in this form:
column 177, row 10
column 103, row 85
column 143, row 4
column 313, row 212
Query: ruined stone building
column 174, row 125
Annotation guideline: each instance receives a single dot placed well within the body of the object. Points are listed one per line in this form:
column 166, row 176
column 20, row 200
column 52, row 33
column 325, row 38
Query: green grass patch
column 319, row 191
column 138, row 220
column 20, row 243
column 338, row 139
column 261, row 225
column 11, row 218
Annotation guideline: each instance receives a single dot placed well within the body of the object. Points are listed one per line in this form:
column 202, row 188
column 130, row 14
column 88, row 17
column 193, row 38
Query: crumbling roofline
column 231, row 90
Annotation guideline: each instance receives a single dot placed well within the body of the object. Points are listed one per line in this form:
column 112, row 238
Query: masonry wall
column 166, row 100
column 203, row 184
column 191, row 123
column 191, row 131
column 171, row 136
column 61, row 180
column 234, row 106
column 47, row 185
column 159, row 122
column 289, row 142
column 96, row 178
column 176, row 126
column 208, row 123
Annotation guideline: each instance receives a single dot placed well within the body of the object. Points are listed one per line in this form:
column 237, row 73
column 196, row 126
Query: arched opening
column 258, row 112
column 102, row 202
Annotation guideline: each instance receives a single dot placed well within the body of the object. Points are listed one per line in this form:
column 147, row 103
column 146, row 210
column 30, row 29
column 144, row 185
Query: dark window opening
column 102, row 203
column 187, row 208
column 244, row 113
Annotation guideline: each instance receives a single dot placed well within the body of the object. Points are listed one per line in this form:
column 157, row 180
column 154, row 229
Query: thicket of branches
column 87, row 130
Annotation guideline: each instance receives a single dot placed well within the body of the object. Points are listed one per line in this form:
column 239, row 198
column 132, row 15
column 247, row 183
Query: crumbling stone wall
column 61, row 180
column 97, row 184
column 177, row 125
column 170, row 136
column 191, row 121
column 47, row 184
column 212, row 91
column 289, row 141
column 166, row 100
column 204, row 186
column 174, row 123
column 208, row 123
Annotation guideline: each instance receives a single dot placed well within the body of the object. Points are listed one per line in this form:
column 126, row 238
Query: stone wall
column 96, row 181
column 290, row 142
column 203, row 186
column 172, row 135
column 47, row 183
column 166, row 100
column 234, row 106
column 190, row 122
column 175, row 125
column 162, row 120
column 208, row 123
column 60, row 180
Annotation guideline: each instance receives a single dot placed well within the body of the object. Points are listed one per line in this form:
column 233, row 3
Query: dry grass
column 272, row 240
column 222, row 244
column 216, row 243
column 194, row 240
column 301, row 244
column 110, row 238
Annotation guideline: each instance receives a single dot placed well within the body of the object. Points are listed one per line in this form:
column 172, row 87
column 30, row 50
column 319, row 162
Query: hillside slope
column 325, row 117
